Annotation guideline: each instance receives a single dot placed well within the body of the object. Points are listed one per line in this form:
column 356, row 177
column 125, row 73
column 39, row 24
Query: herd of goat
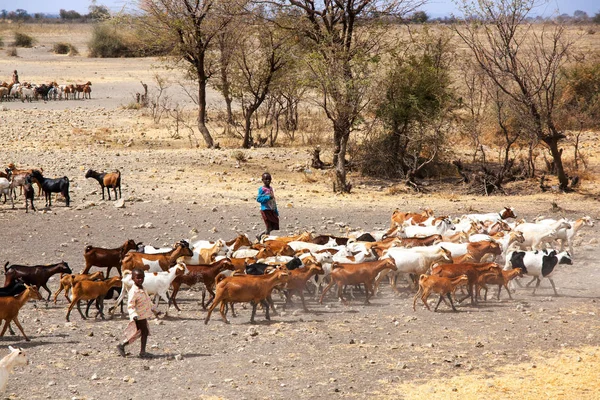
column 437, row 253
column 13, row 178
column 51, row 91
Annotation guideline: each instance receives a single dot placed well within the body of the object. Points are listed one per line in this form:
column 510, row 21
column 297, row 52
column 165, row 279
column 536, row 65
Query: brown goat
column 107, row 258
column 471, row 270
column 108, row 180
column 398, row 218
column 205, row 273
column 297, row 281
column 28, row 171
column 441, row 285
column 10, row 306
column 90, row 290
column 163, row 260
column 247, row 288
column 67, row 281
column 355, row 274
column 497, row 276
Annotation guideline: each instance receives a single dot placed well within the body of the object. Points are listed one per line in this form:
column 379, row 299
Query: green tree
column 342, row 59
column 416, row 96
column 98, row 12
column 419, row 17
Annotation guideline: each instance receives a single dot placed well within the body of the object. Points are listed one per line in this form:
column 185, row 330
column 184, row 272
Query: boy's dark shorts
column 271, row 219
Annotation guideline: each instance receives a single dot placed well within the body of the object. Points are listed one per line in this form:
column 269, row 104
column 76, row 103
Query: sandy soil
column 531, row 347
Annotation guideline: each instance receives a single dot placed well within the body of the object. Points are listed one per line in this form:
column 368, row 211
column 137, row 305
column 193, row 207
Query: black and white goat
column 538, row 264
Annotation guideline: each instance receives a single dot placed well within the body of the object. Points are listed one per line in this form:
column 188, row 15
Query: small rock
column 94, row 377
column 178, row 357
column 119, row 203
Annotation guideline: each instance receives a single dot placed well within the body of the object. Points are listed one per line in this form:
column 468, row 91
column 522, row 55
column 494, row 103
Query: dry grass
column 572, row 374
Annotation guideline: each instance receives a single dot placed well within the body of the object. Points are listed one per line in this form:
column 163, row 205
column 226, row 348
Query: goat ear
column 12, row 349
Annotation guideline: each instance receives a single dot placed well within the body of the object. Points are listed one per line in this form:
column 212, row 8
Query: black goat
column 35, row 275
column 108, row 180
column 260, row 268
column 29, row 193
column 42, row 91
column 49, row 186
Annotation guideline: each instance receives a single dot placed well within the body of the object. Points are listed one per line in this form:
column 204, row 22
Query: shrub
column 12, row 52
column 61, row 48
column 1, row 42
column 132, row 105
column 73, row 51
column 23, row 40
column 239, row 156
column 106, row 42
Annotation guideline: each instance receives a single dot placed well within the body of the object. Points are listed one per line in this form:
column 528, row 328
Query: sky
column 435, row 8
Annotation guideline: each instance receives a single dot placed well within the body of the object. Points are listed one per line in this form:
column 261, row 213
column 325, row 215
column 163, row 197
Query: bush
column 23, row 40
column 239, row 156
column 132, row 105
column 1, row 42
column 107, row 43
column 61, row 48
column 12, row 52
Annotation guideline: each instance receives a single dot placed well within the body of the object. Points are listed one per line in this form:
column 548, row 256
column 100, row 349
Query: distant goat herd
column 46, row 91
column 24, row 178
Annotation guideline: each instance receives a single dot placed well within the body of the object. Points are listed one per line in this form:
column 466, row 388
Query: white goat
column 537, row 235
column 567, row 236
column 15, row 358
column 6, row 190
column 155, row 283
column 416, row 260
column 507, row 212
column 441, row 227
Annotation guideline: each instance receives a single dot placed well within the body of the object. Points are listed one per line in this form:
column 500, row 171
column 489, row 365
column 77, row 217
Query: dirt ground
column 538, row 346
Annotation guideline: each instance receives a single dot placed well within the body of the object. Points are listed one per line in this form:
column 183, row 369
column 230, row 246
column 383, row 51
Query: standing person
column 268, row 206
column 140, row 308
column 15, row 77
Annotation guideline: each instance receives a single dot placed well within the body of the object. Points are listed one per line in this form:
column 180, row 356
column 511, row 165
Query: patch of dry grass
column 571, row 374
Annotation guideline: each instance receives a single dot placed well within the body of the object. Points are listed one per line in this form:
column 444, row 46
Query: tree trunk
column 247, row 129
column 202, row 109
column 552, row 143
column 341, row 135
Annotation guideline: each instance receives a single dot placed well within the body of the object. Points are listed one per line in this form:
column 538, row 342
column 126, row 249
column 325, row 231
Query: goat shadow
column 171, row 356
column 35, row 343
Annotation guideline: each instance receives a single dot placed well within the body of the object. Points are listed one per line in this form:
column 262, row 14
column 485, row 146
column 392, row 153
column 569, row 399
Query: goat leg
column 438, row 303
column 271, row 303
column 531, row 281
column 368, row 288
column 6, row 325
column 303, row 303
column 553, row 287
column 20, row 328
column 537, row 285
column 265, row 304
column 254, row 304
column 49, row 293
column 79, row 309
column 451, row 303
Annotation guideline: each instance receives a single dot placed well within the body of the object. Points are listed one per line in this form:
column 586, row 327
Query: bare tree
column 192, row 26
column 342, row 58
column 258, row 60
column 523, row 60
column 227, row 41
